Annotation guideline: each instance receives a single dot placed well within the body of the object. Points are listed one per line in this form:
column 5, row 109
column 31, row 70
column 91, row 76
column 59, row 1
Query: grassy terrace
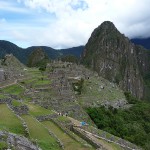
column 27, row 81
column 9, row 122
column 36, row 110
column 40, row 134
column 3, row 96
column 13, row 89
column 110, row 146
column 69, row 143
column 16, row 103
column 36, row 82
column 42, row 82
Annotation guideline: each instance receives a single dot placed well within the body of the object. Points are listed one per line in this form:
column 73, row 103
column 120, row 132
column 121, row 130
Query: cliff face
column 115, row 58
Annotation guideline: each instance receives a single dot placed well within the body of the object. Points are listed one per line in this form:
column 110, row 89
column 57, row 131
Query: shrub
column 131, row 99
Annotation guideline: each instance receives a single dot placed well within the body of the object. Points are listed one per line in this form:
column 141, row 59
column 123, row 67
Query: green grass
column 28, row 81
column 26, row 99
column 3, row 145
column 36, row 110
column 42, row 82
column 109, row 145
column 69, row 143
column 9, row 122
column 36, row 81
column 16, row 103
column 3, row 96
column 39, row 133
column 13, row 89
column 63, row 119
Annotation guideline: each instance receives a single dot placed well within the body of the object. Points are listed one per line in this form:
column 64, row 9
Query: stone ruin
column 19, row 110
column 10, row 69
column 17, row 142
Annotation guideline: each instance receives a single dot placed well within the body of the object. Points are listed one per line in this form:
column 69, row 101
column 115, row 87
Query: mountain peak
column 106, row 28
column 115, row 58
column 107, row 25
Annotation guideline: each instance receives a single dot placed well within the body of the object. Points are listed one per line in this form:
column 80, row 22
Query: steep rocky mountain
column 145, row 42
column 117, row 59
column 23, row 54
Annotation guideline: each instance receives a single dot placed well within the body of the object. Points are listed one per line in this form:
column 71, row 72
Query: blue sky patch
column 81, row 4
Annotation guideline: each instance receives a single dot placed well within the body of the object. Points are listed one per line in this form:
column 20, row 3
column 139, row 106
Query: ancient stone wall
column 17, row 142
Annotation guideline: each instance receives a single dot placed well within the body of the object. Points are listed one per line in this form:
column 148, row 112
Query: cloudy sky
column 68, row 23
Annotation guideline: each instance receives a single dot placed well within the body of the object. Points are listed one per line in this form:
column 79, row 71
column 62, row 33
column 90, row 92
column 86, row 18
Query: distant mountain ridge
column 145, row 42
column 22, row 54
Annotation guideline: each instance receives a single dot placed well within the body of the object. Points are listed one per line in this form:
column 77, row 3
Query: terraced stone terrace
column 69, row 143
column 9, row 122
column 40, row 134
column 50, row 101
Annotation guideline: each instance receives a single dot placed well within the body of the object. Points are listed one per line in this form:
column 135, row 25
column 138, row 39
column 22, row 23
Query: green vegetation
column 109, row 145
column 36, row 110
column 131, row 99
column 41, row 82
column 69, row 143
column 13, row 89
column 70, row 58
column 63, row 119
column 40, row 134
column 16, row 103
column 3, row 145
column 132, row 124
column 38, row 58
column 9, row 122
column 28, row 81
column 2, row 96
column 37, row 81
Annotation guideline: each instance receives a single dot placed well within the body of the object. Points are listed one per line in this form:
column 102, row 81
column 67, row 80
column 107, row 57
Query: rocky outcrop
column 20, row 110
column 14, row 141
column 10, row 68
column 7, row 100
column 115, row 58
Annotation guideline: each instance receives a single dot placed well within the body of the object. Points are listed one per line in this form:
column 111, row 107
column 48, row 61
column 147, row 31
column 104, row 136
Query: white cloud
column 74, row 20
column 10, row 7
